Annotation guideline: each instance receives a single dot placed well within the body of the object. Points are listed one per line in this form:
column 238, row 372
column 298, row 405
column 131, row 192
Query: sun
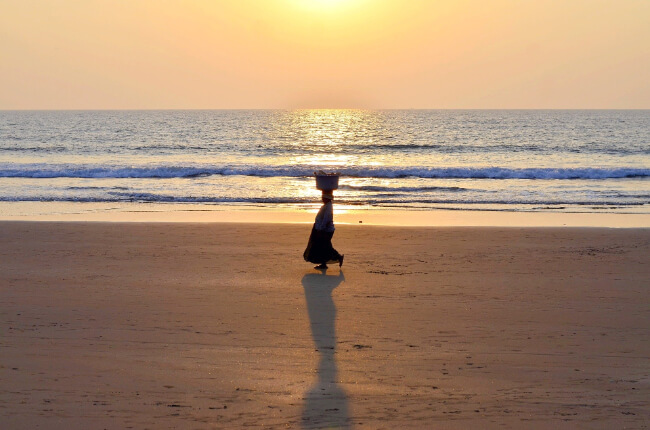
column 325, row 5
column 328, row 2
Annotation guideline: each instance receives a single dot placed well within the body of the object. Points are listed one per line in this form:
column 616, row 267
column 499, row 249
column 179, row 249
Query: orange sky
column 201, row 54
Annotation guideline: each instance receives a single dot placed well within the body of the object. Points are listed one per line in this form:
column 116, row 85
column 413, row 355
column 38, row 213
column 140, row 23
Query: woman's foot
column 341, row 260
column 321, row 266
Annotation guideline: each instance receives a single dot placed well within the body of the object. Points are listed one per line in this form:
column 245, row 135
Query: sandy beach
column 223, row 325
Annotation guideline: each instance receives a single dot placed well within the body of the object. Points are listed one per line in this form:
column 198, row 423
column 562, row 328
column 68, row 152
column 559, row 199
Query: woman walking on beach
column 319, row 249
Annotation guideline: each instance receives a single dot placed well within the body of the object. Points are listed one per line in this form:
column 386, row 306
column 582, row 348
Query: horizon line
column 296, row 109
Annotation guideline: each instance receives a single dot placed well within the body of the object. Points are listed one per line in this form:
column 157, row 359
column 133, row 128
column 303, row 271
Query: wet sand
column 135, row 325
column 344, row 214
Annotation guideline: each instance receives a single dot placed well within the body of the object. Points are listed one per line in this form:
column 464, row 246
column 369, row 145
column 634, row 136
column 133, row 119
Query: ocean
column 482, row 160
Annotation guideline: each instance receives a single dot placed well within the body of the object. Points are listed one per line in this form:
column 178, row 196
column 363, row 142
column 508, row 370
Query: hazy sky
column 149, row 54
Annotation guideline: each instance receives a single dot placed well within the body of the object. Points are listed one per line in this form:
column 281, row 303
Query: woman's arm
column 325, row 218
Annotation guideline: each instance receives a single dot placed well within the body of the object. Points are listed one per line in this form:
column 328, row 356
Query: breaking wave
column 77, row 171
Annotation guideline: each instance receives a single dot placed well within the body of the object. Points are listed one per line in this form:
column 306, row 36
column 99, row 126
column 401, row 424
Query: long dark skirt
column 319, row 248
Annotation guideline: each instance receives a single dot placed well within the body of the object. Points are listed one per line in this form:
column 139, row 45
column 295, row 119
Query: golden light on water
column 327, row 132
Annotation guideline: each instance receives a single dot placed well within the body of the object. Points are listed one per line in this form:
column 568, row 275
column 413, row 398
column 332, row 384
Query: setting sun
column 325, row 5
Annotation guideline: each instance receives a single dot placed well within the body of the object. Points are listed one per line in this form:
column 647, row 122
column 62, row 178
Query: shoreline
column 346, row 215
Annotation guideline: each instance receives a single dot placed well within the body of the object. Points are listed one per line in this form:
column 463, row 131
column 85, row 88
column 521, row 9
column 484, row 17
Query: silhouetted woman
column 319, row 249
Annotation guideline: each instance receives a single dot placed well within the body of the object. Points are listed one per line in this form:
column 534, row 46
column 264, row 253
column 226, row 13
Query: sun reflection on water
column 329, row 128
column 326, row 133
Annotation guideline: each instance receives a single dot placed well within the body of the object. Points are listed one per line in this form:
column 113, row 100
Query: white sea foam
column 144, row 197
column 90, row 171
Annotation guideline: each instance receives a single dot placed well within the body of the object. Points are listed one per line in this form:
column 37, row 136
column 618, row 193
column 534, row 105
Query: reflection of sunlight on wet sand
column 132, row 212
column 338, row 209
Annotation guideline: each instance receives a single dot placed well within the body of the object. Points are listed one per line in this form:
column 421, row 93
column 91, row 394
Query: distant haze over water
column 566, row 161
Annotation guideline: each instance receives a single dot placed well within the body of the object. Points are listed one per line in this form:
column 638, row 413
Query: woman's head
column 327, row 196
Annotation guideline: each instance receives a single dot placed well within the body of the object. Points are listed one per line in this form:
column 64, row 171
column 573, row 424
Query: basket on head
column 327, row 181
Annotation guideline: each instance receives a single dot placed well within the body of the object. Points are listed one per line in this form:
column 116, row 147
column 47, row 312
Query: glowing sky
column 149, row 54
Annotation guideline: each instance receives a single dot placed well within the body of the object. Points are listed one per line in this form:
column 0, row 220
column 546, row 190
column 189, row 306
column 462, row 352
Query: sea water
column 504, row 160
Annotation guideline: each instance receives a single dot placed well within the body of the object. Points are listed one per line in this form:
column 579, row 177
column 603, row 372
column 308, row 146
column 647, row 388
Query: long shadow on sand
column 326, row 404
